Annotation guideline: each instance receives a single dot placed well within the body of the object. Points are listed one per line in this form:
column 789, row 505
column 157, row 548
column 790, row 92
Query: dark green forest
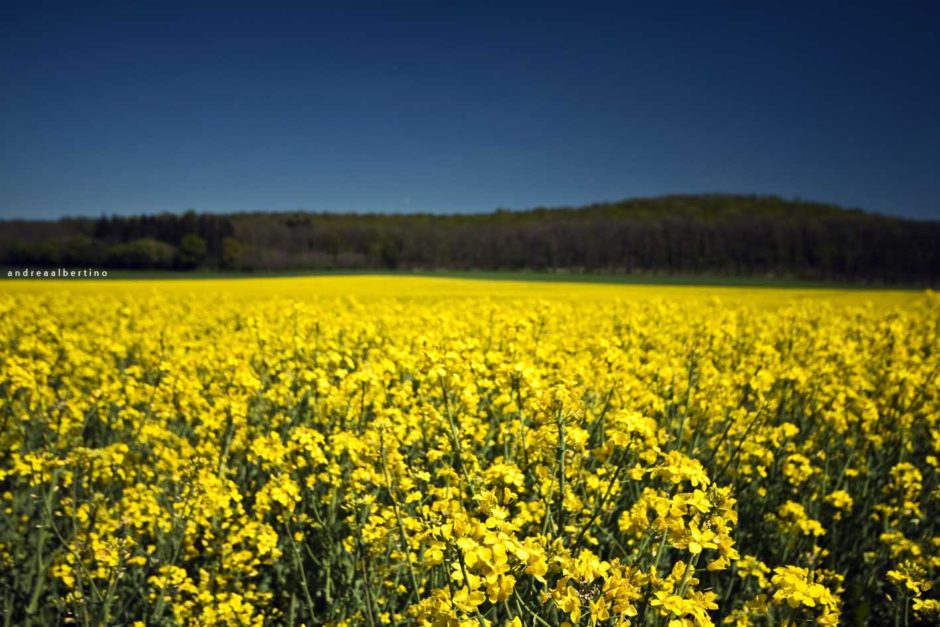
column 725, row 235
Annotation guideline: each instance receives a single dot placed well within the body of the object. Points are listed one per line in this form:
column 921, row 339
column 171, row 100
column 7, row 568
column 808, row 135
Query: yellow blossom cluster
column 186, row 453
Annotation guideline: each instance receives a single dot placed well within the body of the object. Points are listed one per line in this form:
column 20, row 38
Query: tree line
column 683, row 234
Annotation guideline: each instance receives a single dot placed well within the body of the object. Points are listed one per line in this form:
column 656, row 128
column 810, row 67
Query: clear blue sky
column 456, row 107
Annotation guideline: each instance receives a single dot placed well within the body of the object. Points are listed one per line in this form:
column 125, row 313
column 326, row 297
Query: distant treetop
column 723, row 234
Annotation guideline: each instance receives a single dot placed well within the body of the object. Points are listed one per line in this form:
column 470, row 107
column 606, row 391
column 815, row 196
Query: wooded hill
column 682, row 234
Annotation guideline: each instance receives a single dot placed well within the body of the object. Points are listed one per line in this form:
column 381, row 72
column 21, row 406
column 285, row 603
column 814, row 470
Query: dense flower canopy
column 202, row 454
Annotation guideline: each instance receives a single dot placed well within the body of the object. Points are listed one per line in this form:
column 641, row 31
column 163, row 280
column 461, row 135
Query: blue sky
column 460, row 107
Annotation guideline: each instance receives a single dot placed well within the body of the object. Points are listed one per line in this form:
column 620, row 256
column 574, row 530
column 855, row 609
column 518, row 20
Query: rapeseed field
column 403, row 450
